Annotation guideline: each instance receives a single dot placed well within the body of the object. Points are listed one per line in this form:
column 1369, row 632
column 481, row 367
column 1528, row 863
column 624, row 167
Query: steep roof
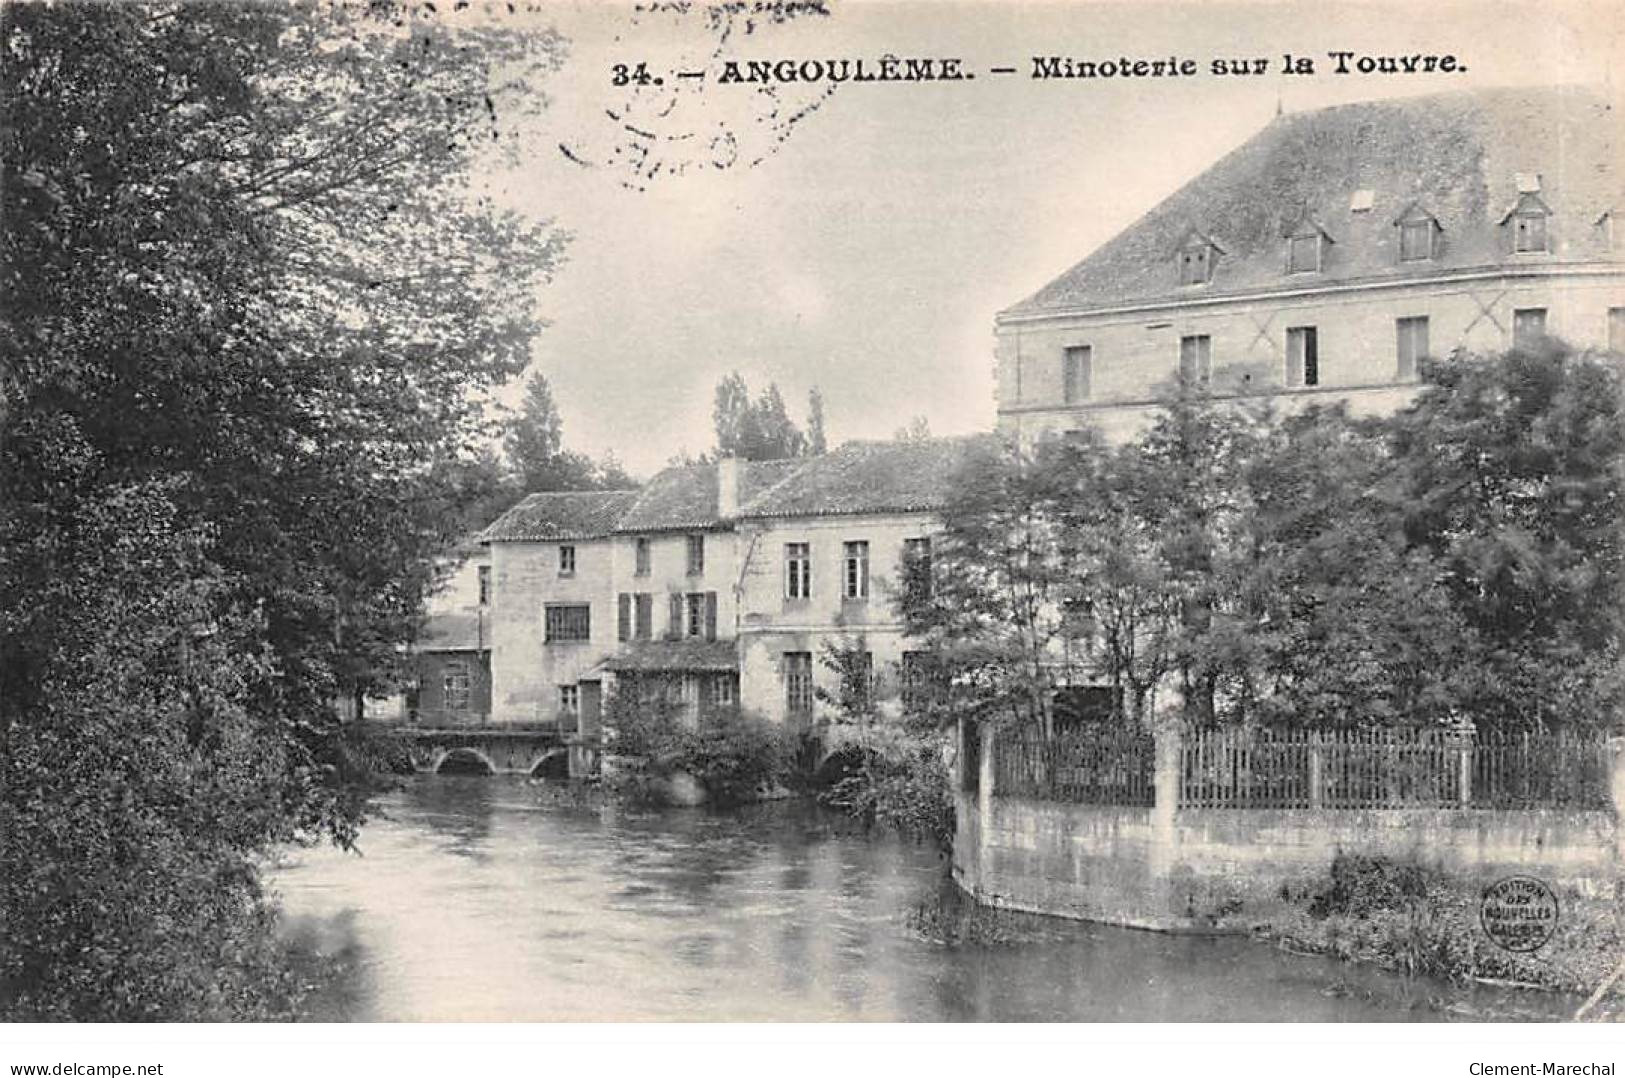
column 868, row 477
column 583, row 514
column 686, row 496
column 1458, row 156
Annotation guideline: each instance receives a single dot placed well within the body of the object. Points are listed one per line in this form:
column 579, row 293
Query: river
column 474, row 899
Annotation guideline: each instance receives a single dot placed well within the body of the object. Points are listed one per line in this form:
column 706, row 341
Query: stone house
column 449, row 680
column 713, row 585
column 1324, row 257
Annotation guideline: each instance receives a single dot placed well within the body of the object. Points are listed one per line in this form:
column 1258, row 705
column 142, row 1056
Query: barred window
column 566, row 623
column 485, row 585
column 567, row 560
column 456, row 685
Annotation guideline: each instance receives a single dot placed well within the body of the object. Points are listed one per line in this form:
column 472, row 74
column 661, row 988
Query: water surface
column 474, row 900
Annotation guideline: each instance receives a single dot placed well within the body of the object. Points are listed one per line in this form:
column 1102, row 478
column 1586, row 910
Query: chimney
column 728, row 487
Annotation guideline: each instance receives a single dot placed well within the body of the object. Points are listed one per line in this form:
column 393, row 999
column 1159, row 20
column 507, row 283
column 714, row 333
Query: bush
column 734, row 754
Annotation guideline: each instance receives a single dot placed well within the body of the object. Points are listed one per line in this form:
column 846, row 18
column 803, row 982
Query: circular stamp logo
column 1519, row 913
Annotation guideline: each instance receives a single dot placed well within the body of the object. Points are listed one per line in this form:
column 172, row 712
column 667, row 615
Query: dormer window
column 1306, row 246
column 1529, row 232
column 1197, row 256
column 1195, row 267
column 1527, row 219
column 1418, row 235
column 1303, row 254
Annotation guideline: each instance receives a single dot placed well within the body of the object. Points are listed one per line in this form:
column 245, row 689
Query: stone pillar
column 984, row 805
column 1165, row 780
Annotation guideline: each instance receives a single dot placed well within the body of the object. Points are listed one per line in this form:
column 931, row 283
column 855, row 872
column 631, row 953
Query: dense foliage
column 891, row 762
column 252, row 301
column 1458, row 561
column 735, row 755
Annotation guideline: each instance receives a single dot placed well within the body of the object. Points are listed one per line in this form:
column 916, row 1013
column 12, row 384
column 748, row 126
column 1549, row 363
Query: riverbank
column 1420, row 921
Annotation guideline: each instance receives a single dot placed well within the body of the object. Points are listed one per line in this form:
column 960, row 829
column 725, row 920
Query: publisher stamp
column 1519, row 913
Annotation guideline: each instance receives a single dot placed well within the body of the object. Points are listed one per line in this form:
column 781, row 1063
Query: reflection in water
column 472, row 901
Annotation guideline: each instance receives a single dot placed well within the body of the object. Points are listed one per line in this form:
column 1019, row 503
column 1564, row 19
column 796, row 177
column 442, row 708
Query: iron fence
column 1096, row 766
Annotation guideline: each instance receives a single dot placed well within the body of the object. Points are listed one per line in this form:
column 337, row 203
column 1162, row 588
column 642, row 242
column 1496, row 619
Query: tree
column 535, row 447
column 817, row 443
column 1509, row 472
column 756, row 430
column 992, row 618
column 252, row 303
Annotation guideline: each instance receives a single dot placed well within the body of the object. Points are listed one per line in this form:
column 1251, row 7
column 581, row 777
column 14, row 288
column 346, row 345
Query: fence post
column 1317, row 780
column 1464, row 775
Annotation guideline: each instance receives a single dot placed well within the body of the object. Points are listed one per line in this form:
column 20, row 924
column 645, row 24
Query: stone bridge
column 540, row 751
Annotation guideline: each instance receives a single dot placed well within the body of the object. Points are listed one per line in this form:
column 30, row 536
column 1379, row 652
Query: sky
column 862, row 237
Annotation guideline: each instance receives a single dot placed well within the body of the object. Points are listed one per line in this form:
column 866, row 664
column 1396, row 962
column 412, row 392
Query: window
column 567, row 561
column 1076, row 372
column 640, row 552
column 1528, row 326
column 1196, row 359
column 456, row 685
column 1303, row 254
column 696, row 555
column 484, row 572
column 700, row 615
column 643, row 616
column 855, row 571
column 1302, row 357
column 1412, row 336
column 722, row 690
column 1529, row 231
column 1616, row 329
column 798, row 682
column 623, row 617
column 917, row 568
column 797, row 571
column 1416, row 240
column 567, row 623
column 1196, row 265
column 569, row 699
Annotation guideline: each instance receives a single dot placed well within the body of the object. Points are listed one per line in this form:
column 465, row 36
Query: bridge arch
column 552, row 764
column 464, row 761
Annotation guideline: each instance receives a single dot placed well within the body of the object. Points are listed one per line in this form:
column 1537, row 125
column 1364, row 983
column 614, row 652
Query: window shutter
column 710, row 615
column 624, row 618
column 674, row 627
